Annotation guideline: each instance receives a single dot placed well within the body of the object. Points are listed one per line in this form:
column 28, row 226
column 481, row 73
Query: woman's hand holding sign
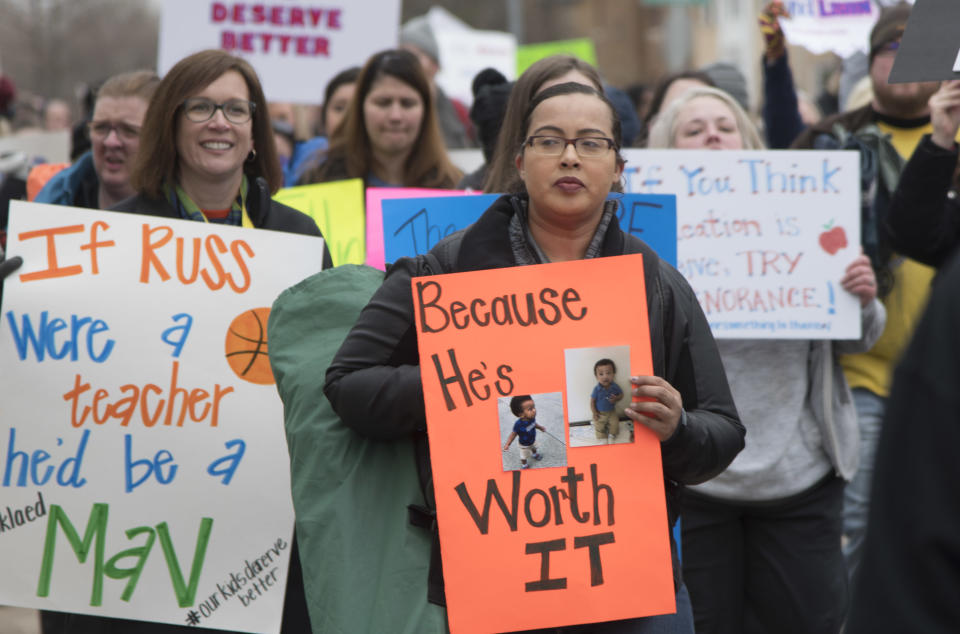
column 860, row 279
column 656, row 404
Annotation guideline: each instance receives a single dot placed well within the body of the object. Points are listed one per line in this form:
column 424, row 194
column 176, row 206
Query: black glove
column 9, row 266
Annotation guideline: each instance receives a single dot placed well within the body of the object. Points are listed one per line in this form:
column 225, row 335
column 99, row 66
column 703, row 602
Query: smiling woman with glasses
column 222, row 165
column 200, row 109
column 208, row 155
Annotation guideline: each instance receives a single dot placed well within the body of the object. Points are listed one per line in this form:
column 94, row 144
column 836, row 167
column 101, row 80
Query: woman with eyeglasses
column 566, row 155
column 389, row 136
column 207, row 154
column 502, row 175
column 101, row 178
column 207, row 151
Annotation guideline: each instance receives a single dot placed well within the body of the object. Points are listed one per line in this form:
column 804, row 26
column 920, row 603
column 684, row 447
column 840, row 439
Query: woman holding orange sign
column 567, row 157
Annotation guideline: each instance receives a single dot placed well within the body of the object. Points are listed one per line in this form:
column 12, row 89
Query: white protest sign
column 464, row 52
column 295, row 47
column 467, row 159
column 143, row 462
column 830, row 26
column 763, row 237
column 464, row 55
column 52, row 147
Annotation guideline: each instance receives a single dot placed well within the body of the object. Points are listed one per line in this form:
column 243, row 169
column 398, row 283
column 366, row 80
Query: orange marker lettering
column 149, row 257
column 53, row 268
column 93, row 245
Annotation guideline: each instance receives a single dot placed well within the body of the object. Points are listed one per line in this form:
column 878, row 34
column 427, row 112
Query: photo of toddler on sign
column 531, row 431
column 597, row 395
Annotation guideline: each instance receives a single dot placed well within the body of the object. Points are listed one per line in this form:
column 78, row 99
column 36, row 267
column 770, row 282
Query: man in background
column 885, row 132
column 417, row 37
column 100, row 178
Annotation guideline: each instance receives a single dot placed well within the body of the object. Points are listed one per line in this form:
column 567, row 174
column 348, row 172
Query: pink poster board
column 375, row 198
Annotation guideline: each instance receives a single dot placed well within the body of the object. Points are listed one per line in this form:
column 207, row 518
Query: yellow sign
column 338, row 210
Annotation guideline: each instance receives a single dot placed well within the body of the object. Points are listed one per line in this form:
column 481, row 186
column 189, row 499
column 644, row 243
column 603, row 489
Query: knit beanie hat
column 728, row 78
column 417, row 32
column 889, row 27
column 491, row 90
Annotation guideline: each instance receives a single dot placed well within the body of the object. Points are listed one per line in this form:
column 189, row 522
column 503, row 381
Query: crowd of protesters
column 779, row 534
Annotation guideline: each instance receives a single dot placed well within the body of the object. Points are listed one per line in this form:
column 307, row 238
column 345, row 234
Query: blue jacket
column 305, row 154
column 76, row 186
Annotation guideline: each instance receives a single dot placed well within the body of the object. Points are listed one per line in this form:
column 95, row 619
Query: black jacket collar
column 486, row 243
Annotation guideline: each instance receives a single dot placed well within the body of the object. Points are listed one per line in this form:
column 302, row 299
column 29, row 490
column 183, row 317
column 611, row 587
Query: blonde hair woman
column 761, row 541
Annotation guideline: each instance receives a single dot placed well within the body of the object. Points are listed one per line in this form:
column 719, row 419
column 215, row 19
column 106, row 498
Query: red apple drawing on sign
column 832, row 240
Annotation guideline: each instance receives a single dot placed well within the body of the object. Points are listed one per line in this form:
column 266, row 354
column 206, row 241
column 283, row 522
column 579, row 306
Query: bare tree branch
column 51, row 46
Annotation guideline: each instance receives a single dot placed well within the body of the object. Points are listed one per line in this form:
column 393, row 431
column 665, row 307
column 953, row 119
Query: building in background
column 639, row 41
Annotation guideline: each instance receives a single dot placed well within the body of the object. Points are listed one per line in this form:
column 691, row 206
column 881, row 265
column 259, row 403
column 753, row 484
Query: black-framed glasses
column 586, row 146
column 125, row 131
column 200, row 109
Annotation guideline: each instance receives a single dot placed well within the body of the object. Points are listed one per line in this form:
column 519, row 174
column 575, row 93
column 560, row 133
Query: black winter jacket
column 374, row 382
column 909, row 575
column 923, row 218
column 264, row 212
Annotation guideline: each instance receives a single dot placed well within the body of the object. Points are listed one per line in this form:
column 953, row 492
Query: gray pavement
column 19, row 621
column 584, row 436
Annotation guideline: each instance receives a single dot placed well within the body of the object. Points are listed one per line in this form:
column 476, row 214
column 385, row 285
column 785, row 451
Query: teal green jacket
column 364, row 565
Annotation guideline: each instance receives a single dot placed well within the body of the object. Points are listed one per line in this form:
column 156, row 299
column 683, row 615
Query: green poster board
column 530, row 53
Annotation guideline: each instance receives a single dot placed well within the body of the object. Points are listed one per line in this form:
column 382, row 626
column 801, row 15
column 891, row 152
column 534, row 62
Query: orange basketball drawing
column 246, row 346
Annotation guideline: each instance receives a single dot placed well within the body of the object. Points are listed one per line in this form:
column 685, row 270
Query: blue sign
column 412, row 226
column 653, row 219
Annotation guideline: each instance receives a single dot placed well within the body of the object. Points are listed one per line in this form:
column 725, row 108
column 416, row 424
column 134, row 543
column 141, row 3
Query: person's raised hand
column 775, row 44
column 945, row 114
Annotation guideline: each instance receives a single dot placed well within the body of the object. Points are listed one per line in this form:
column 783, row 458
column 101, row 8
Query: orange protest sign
column 579, row 534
